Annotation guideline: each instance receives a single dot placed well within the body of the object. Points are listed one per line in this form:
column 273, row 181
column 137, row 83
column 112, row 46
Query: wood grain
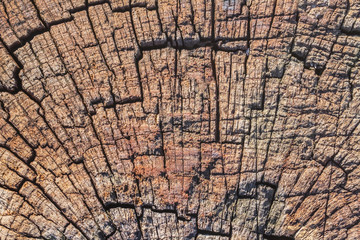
column 179, row 119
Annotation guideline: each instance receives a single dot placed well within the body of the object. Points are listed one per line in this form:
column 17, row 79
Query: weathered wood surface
column 165, row 119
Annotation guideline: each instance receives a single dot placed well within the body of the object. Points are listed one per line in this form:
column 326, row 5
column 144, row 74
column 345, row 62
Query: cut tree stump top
column 180, row 119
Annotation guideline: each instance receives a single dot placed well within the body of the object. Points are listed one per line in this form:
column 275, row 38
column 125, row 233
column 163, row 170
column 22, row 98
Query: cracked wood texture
column 179, row 119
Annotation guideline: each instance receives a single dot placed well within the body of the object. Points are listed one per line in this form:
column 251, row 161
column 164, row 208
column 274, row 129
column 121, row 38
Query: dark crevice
column 129, row 100
column 275, row 237
column 16, row 72
column 212, row 233
column 319, row 71
column 350, row 32
column 213, row 21
column 298, row 57
column 87, row 5
column 152, row 208
column 273, row 186
column 217, row 93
